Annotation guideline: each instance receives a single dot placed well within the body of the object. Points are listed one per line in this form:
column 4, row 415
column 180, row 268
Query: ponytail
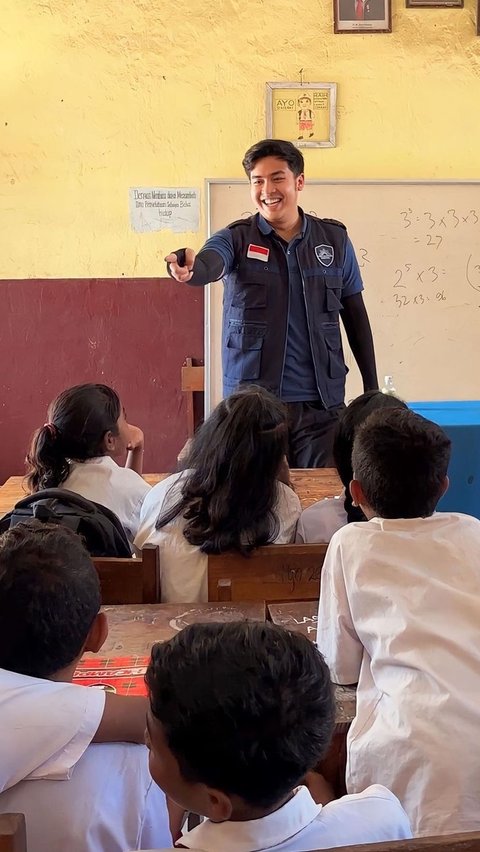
column 78, row 420
column 47, row 465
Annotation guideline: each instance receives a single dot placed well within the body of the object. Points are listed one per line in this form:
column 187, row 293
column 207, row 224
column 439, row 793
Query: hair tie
column 52, row 429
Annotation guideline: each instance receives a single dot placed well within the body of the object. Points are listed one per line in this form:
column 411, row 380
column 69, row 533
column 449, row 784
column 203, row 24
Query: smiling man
column 288, row 277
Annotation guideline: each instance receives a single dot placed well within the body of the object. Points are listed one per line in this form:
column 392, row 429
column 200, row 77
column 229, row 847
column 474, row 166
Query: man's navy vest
column 256, row 306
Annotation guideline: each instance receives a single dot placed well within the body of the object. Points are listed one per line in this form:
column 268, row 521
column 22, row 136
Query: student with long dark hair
column 230, row 497
column 321, row 520
column 86, row 430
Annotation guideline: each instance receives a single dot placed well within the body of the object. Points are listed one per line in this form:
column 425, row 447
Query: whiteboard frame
column 209, row 182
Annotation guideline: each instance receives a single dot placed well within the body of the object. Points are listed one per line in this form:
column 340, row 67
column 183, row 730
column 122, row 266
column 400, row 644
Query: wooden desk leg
column 334, row 764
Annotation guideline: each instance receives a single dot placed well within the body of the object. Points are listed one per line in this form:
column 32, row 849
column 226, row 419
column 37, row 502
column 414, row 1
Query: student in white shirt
column 239, row 713
column 70, row 756
column 230, row 497
column 86, row 431
column 399, row 613
column 321, row 520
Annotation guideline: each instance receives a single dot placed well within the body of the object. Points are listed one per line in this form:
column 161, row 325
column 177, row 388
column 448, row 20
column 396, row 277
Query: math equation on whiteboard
column 437, row 258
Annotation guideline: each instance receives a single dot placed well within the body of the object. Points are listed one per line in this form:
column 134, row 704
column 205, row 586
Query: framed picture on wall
column 419, row 4
column 362, row 16
column 302, row 113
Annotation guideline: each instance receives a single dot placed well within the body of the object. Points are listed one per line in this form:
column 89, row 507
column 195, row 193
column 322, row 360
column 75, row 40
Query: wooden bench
column 192, row 381
column 130, row 581
column 277, row 572
column 13, row 837
column 468, row 841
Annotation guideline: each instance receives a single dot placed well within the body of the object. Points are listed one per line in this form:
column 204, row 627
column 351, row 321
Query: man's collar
column 266, row 228
column 255, row 834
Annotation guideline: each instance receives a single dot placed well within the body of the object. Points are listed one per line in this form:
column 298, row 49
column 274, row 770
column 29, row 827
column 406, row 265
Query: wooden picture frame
column 433, row 4
column 302, row 113
column 362, row 16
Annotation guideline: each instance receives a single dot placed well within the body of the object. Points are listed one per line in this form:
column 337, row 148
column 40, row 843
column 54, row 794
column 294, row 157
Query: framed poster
column 362, row 16
column 418, row 4
column 302, row 113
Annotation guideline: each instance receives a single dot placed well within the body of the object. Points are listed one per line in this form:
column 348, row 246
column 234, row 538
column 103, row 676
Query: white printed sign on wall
column 160, row 208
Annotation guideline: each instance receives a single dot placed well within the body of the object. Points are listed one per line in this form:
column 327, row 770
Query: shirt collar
column 256, row 834
column 266, row 228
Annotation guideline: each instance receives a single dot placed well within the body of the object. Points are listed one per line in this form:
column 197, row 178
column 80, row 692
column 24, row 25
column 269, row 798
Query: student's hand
column 135, row 449
column 137, row 438
column 181, row 273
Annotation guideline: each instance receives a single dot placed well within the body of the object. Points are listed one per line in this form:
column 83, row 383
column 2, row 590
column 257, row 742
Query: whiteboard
column 418, row 246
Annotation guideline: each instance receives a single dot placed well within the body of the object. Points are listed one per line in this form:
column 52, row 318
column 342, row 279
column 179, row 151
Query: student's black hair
column 78, row 420
column 285, row 151
column 49, row 597
column 229, row 495
column 246, row 707
column 355, row 414
column 400, row 460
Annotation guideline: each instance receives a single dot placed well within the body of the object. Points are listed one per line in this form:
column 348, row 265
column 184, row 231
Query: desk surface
column 132, row 630
column 310, row 484
column 302, row 617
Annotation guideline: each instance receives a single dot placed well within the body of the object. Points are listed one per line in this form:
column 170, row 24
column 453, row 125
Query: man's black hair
column 274, row 148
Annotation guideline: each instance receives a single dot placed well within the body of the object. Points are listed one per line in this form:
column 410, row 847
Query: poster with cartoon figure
column 302, row 113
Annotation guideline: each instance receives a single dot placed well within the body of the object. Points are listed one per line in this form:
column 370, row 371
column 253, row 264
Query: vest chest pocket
column 249, row 295
column 243, row 352
column 333, row 292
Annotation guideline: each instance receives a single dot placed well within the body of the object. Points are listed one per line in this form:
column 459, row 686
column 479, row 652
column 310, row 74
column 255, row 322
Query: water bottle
column 389, row 387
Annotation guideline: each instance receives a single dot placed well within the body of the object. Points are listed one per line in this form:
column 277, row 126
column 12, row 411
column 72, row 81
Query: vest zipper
column 309, row 329
column 286, row 325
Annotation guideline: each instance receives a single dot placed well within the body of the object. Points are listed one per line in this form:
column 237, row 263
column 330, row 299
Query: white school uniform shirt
column 321, row 520
column 118, row 488
column 301, row 825
column 399, row 612
column 75, row 796
column 183, row 568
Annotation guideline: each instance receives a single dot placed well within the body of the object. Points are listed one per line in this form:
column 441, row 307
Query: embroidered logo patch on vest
column 259, row 252
column 324, row 254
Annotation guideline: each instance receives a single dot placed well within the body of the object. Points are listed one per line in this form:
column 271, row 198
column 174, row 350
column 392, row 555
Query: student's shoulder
column 163, row 492
column 378, row 811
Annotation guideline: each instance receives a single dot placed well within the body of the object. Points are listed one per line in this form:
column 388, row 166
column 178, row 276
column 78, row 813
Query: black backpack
column 101, row 530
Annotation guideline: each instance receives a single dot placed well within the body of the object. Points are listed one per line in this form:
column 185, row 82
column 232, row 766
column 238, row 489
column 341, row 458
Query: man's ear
column 300, row 182
column 97, row 634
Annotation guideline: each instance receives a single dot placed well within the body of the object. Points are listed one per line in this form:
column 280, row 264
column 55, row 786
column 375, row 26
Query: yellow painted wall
column 100, row 95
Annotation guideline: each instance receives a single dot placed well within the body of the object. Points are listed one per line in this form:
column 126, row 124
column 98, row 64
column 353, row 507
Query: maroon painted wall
column 133, row 334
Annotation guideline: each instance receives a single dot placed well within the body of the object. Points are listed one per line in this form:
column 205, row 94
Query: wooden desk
column 302, row 617
column 134, row 629
column 310, row 484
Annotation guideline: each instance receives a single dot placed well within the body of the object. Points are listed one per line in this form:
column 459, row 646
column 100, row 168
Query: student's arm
column 135, row 449
column 355, row 319
column 337, row 639
column 123, row 719
column 213, row 261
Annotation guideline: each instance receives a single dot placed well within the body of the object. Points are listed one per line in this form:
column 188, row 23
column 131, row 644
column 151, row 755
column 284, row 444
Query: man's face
column 274, row 190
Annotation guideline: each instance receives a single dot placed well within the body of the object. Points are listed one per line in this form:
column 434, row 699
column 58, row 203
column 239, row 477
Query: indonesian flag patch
column 258, row 252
